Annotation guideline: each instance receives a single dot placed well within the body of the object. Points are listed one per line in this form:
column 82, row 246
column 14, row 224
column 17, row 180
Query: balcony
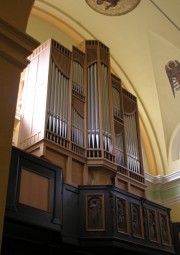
column 44, row 214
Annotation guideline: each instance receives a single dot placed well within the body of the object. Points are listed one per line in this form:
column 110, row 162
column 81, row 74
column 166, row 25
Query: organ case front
column 77, row 115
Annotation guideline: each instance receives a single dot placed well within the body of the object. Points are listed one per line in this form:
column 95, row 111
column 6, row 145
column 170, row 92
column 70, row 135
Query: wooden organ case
column 77, row 115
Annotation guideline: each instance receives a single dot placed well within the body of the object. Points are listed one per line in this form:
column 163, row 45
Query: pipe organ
column 78, row 102
column 77, row 115
column 99, row 115
column 118, row 121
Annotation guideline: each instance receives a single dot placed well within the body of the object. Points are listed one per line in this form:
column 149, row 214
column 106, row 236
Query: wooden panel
column 77, row 172
column 137, row 221
column 34, row 190
column 137, row 190
column 176, row 235
column 165, row 231
column 153, row 230
column 122, row 184
column 34, row 193
column 35, row 93
column 56, row 157
column 95, row 214
column 122, row 215
column 71, row 214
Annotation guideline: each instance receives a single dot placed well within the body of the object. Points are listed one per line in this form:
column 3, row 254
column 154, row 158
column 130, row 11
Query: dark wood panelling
column 131, row 222
column 93, row 219
column 22, row 208
column 70, row 229
column 176, row 236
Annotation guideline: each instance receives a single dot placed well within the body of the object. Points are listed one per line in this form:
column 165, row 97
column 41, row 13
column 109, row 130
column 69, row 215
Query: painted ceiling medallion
column 113, row 7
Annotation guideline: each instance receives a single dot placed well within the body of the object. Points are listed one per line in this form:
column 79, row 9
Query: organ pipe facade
column 77, row 115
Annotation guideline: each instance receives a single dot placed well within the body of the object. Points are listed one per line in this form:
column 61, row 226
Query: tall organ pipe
column 105, row 109
column 132, row 142
column 77, row 121
column 57, row 110
column 93, row 114
column 77, row 78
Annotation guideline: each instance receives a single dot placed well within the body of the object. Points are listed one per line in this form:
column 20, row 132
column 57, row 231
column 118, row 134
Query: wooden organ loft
column 76, row 184
column 77, row 115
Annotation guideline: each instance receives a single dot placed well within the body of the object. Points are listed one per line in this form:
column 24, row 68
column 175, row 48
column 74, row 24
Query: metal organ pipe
column 50, row 100
column 57, row 113
column 116, row 103
column 105, row 109
column 77, row 128
column 96, row 109
column 119, row 139
column 124, row 122
column 55, row 103
column 93, row 114
column 132, row 142
column 58, row 107
column 119, row 149
column 77, row 120
column 77, row 78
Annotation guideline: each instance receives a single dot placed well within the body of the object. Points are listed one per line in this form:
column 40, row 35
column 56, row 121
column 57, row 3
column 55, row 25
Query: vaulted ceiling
column 141, row 43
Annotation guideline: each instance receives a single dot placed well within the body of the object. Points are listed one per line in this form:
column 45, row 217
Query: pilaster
column 15, row 47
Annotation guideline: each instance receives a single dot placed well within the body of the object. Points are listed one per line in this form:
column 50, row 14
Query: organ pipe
column 116, row 103
column 132, row 143
column 107, row 143
column 78, row 100
column 118, row 121
column 77, row 135
column 93, row 113
column 126, row 138
column 57, row 110
column 119, row 148
column 78, row 78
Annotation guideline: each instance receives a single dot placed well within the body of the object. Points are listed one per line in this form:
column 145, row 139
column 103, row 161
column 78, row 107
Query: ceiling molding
column 162, row 183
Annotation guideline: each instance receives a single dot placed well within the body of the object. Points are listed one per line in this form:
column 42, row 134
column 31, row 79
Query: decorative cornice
column 15, row 46
column 162, row 183
column 171, row 201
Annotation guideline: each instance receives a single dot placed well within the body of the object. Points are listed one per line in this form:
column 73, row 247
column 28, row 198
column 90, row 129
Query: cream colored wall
column 45, row 30
column 162, row 51
column 175, row 209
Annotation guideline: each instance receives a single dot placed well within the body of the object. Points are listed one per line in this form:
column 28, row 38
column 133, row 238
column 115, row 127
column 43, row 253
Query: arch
column 174, row 145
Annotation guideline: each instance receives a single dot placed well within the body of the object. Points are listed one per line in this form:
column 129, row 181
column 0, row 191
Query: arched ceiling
column 141, row 43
